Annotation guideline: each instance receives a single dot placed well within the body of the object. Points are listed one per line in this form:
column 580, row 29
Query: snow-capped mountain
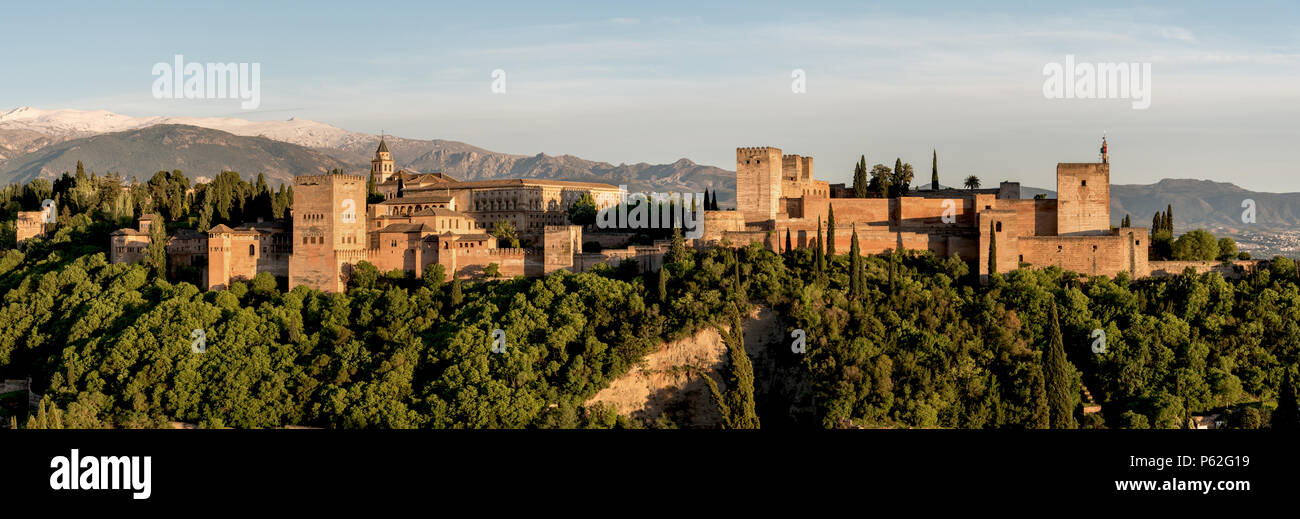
column 44, row 143
column 68, row 123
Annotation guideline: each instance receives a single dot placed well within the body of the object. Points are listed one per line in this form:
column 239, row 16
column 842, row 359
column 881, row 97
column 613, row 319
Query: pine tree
column 934, row 171
column 830, row 231
column 1056, row 375
column 1287, row 416
column 993, row 249
column 663, row 285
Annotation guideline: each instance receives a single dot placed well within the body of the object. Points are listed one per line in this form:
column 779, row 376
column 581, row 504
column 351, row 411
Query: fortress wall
column 471, row 262
column 878, row 241
column 559, row 244
column 863, row 211
column 322, row 226
column 1233, row 270
column 29, row 224
column 758, row 182
column 922, row 214
column 1003, row 223
column 1088, row 255
column 1033, row 217
column 1083, row 198
column 716, row 223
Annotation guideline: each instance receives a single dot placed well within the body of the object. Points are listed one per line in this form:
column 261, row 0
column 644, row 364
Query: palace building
column 423, row 219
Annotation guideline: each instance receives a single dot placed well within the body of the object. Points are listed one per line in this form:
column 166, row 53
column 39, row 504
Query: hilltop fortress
column 778, row 196
column 431, row 218
column 423, row 219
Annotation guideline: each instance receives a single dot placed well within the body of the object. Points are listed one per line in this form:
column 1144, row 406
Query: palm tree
column 972, row 182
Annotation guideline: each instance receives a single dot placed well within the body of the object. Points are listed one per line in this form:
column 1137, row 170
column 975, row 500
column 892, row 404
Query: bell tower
column 382, row 165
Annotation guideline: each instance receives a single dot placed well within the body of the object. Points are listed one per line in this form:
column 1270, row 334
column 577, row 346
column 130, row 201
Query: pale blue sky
column 657, row 81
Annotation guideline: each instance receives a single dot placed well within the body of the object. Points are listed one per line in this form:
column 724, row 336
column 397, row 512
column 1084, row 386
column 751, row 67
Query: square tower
column 1082, row 198
column 329, row 229
column 758, row 183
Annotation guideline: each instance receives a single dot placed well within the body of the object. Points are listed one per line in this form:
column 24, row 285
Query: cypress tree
column 855, row 266
column 1287, row 416
column 1039, row 411
column 663, row 285
column 1169, row 218
column 993, row 249
column 1056, row 376
column 737, row 405
column 820, row 258
column 677, row 249
column 830, row 231
column 456, row 295
column 706, row 199
column 934, row 171
column 860, row 178
column 715, row 200
column 789, row 246
column 156, row 252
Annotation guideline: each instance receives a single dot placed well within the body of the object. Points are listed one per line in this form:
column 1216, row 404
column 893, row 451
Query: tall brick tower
column 382, row 165
column 329, row 229
column 758, row 183
column 1083, row 196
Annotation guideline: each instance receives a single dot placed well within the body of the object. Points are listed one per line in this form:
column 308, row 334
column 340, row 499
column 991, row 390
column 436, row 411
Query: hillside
column 199, row 152
column 29, row 130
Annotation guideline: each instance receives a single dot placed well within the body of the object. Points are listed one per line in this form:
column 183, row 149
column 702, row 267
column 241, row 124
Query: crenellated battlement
column 512, row 253
column 325, row 178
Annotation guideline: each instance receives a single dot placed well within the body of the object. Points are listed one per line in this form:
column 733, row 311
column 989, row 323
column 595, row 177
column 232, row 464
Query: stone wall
column 328, row 218
column 1083, row 198
column 758, row 182
column 1233, row 269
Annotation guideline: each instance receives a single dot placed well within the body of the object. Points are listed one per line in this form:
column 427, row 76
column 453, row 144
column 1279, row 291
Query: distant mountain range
column 45, row 143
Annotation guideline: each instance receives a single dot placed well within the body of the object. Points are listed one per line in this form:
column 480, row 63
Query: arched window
column 252, row 249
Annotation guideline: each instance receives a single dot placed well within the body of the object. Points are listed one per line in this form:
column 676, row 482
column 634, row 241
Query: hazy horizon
column 628, row 84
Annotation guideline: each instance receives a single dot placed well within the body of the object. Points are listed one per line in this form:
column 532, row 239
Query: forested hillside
column 897, row 340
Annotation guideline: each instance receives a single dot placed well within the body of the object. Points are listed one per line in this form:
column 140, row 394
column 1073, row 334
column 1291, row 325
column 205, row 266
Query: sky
column 659, row 81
